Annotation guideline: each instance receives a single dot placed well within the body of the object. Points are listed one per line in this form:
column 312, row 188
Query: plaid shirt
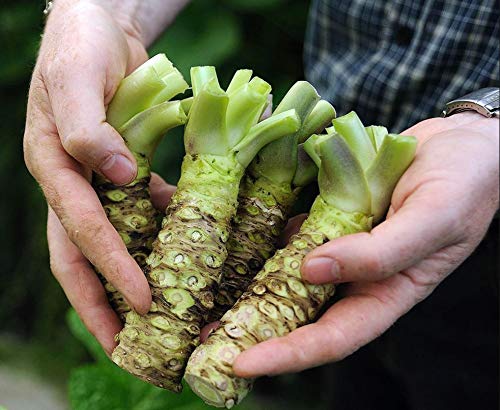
column 398, row 62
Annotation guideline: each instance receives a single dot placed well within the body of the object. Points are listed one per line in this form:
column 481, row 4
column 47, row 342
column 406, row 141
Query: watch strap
column 484, row 101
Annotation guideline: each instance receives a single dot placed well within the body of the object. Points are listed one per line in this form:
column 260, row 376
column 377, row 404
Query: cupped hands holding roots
column 440, row 211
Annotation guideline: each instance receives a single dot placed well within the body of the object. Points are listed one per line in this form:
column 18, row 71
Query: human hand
column 440, row 210
column 86, row 50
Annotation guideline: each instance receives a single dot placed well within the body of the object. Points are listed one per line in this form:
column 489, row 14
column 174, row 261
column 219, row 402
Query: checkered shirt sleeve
column 398, row 62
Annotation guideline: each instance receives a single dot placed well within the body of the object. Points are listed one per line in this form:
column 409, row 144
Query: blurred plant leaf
column 254, row 5
column 104, row 386
column 16, row 25
column 206, row 33
column 83, row 335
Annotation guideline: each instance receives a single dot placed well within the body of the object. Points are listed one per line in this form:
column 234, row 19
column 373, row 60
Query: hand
column 441, row 208
column 86, row 50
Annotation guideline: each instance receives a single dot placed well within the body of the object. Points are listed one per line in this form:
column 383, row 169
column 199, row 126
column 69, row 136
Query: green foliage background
column 265, row 35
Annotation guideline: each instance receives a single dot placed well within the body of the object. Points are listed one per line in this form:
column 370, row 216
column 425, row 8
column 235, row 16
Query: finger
column 345, row 327
column 207, row 330
column 76, row 204
column 291, row 228
column 416, row 230
column 161, row 192
column 76, row 89
column 81, row 285
column 78, row 103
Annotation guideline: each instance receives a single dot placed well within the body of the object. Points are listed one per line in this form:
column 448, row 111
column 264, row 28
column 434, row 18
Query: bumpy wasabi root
column 184, row 268
column 142, row 118
column 130, row 211
column 267, row 194
column 278, row 301
column 261, row 217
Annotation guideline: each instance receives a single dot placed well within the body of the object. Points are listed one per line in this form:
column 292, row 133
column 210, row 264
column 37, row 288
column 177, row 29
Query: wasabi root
column 221, row 138
column 141, row 113
column 267, row 193
column 355, row 181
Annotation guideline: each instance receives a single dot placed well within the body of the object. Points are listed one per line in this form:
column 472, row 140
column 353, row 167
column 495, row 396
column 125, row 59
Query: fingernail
column 321, row 270
column 118, row 169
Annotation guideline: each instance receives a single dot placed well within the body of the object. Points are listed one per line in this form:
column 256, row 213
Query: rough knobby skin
column 130, row 211
column 183, row 271
column 263, row 209
column 277, row 302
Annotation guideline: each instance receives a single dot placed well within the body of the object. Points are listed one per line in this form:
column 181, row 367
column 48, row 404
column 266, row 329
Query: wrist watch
column 484, row 101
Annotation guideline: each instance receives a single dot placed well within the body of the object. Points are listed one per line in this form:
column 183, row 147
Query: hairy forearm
column 144, row 19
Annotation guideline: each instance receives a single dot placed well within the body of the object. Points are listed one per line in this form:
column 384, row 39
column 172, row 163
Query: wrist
column 473, row 121
column 124, row 12
column 141, row 19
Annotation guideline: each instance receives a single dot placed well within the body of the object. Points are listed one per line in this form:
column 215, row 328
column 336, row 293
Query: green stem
column 156, row 81
column 307, row 170
column 187, row 104
column 200, row 76
column 330, row 130
column 311, row 144
column 240, row 78
column 143, row 132
column 264, row 132
column 278, row 160
column 394, row 156
column 377, row 134
column 205, row 131
column 341, row 177
column 245, row 107
column 321, row 115
column 354, row 133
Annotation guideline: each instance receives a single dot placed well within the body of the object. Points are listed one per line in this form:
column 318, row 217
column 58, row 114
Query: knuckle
column 77, row 141
column 81, row 144
column 86, row 227
column 338, row 343
column 299, row 352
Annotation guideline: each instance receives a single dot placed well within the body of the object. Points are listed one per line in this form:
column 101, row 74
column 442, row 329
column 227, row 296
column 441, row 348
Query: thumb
column 76, row 94
column 408, row 236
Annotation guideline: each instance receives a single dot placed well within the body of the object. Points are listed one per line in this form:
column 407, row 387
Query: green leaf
column 341, row 179
column 83, row 335
column 393, row 158
column 105, row 386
